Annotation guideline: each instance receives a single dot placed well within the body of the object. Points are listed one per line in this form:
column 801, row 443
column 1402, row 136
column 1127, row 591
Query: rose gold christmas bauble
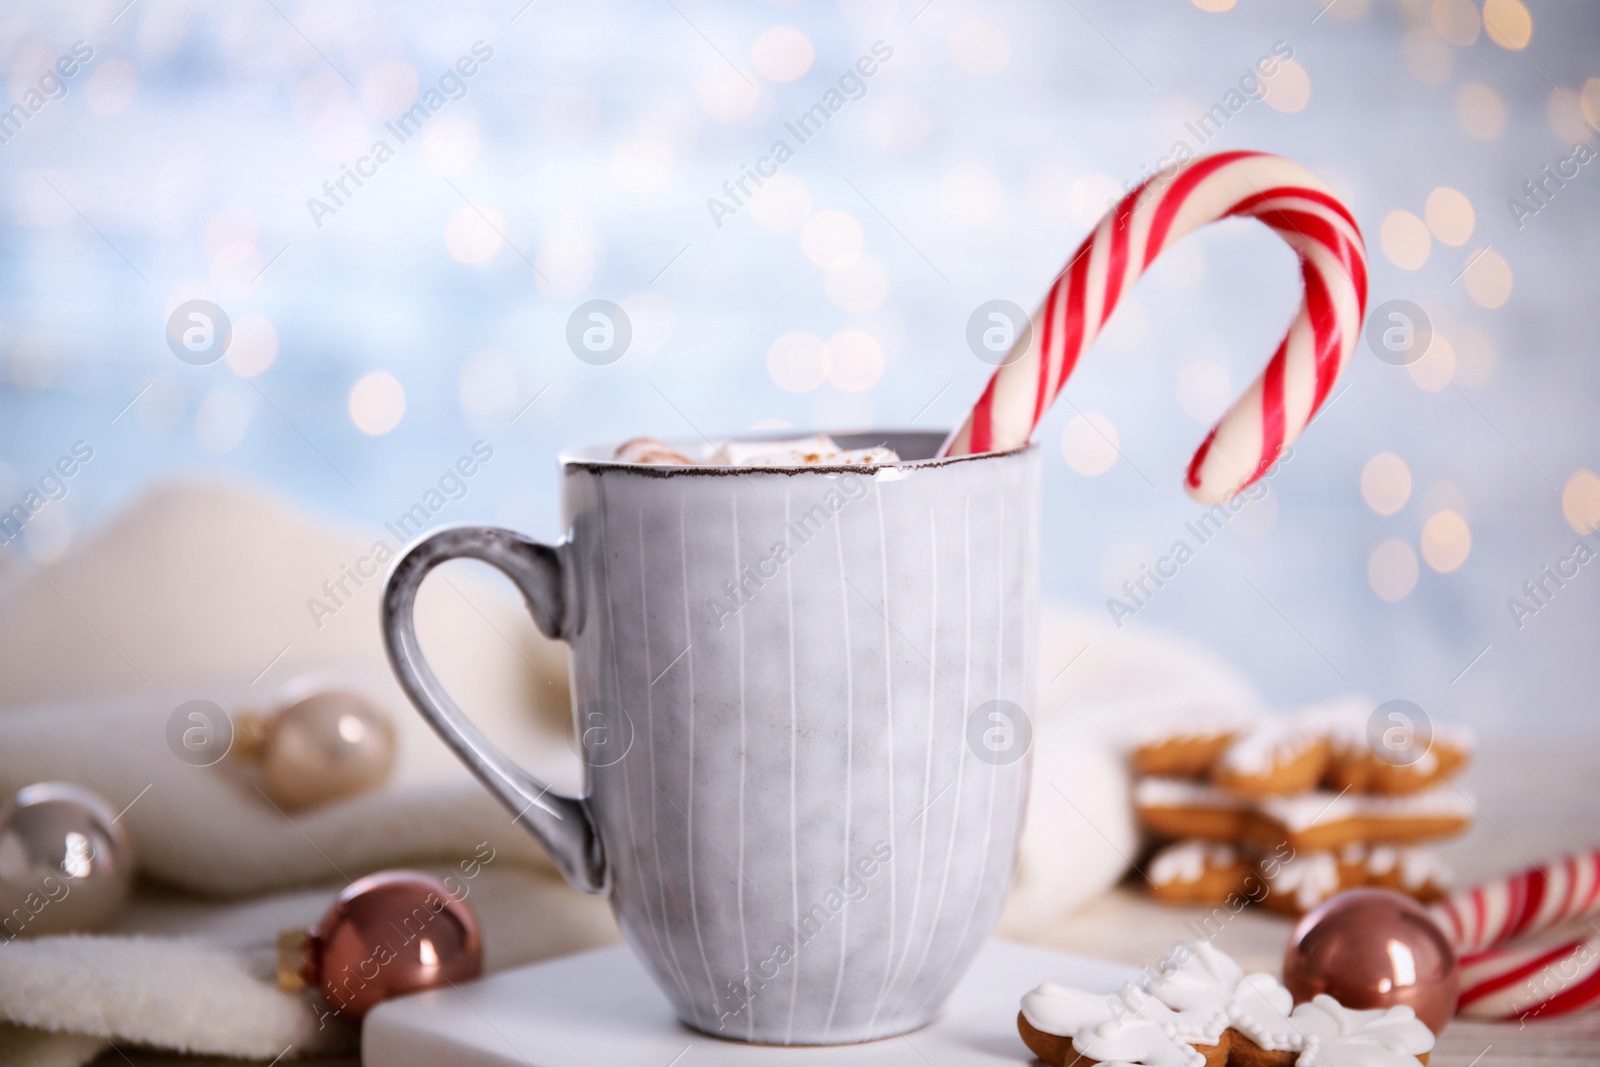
column 328, row 745
column 1374, row 948
column 390, row 933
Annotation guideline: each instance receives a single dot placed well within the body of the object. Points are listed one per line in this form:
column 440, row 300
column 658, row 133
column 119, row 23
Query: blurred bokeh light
column 390, row 305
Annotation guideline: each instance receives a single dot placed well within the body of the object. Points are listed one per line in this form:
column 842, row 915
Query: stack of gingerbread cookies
column 1288, row 810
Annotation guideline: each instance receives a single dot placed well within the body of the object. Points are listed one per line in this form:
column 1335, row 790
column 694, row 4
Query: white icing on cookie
column 1418, row 867
column 1347, row 728
column 1421, row 867
column 1321, row 808
column 1382, row 859
column 1346, row 721
column 1337, row 1036
column 1199, row 989
column 1342, row 720
column 1263, row 748
column 1204, row 979
column 1199, row 993
column 1108, row 1028
column 1056, row 1009
column 1132, row 1042
column 1424, row 765
column 1211, row 992
column 1187, row 861
column 1181, row 793
column 1259, row 1009
column 1460, row 738
column 1311, row 877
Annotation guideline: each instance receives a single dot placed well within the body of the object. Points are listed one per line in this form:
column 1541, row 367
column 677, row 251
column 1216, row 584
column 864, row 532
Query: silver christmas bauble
column 65, row 864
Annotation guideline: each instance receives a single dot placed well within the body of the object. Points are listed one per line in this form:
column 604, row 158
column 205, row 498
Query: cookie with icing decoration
column 1180, row 808
column 1181, row 756
column 1297, row 885
column 1354, row 763
column 1199, row 1008
column 1071, row 1028
column 1197, row 872
column 1280, row 757
column 1417, row 872
column 1326, row 822
column 1190, row 746
column 1332, row 745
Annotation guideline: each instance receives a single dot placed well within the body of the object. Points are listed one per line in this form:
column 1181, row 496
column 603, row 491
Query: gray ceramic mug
column 801, row 694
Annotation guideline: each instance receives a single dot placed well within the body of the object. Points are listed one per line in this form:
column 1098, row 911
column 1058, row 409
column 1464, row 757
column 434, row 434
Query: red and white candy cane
column 1503, row 974
column 1298, row 207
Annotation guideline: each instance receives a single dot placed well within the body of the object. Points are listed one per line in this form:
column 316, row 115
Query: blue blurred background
column 373, row 343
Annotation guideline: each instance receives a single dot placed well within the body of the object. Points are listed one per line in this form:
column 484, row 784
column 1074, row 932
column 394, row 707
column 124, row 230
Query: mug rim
column 573, row 458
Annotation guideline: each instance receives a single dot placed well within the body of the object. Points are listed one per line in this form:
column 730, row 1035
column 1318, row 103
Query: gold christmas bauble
column 325, row 746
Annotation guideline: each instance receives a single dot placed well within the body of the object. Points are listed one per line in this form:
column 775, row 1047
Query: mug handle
column 563, row 824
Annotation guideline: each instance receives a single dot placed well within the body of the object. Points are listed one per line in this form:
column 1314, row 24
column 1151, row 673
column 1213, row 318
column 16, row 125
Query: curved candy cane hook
column 1301, row 374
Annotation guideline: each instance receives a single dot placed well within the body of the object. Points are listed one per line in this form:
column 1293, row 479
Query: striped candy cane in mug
column 1297, row 381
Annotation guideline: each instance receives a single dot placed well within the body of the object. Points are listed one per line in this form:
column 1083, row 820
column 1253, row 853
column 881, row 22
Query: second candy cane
column 1507, row 970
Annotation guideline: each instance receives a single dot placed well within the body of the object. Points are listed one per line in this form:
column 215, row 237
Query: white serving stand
column 600, row 1009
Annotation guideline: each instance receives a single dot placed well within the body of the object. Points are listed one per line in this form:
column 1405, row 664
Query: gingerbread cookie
column 1306, row 879
column 1351, row 861
column 1416, row 872
column 1277, row 758
column 1070, row 1028
column 1309, row 822
column 1298, row 884
column 1356, row 764
column 1190, row 748
column 1197, row 872
column 1324, row 822
column 1180, row 808
column 1332, row 745
column 1187, row 756
column 1202, row 1010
